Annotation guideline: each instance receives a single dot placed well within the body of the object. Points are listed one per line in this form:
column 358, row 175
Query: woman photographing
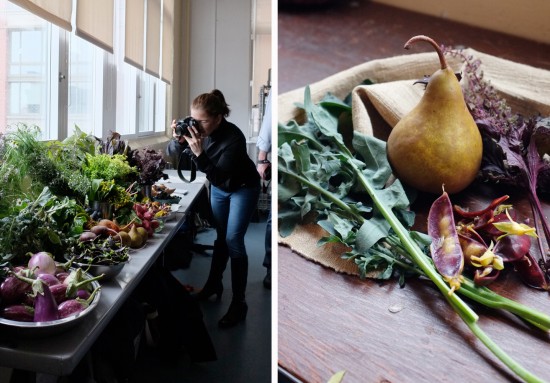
column 219, row 150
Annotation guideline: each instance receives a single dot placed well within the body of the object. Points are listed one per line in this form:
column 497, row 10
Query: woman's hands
column 194, row 141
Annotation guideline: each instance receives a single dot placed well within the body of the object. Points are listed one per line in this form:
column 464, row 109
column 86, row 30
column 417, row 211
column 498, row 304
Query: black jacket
column 224, row 159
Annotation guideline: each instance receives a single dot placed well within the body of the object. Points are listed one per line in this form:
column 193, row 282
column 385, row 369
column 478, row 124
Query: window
column 26, row 67
column 56, row 80
column 85, row 88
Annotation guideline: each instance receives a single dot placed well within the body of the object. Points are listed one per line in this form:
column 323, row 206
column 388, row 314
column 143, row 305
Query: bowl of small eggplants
column 46, row 299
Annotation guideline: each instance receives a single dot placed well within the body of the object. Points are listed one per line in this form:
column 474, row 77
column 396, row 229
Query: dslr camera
column 181, row 126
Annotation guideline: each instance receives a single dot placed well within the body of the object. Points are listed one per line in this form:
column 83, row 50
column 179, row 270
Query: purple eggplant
column 45, row 307
column 50, row 279
column 83, row 294
column 61, row 276
column 13, row 290
column 75, row 306
column 59, row 292
column 62, row 291
column 18, row 312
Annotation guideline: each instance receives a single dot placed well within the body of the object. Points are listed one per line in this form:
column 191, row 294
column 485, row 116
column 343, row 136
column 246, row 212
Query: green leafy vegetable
column 109, row 167
column 48, row 223
column 28, row 165
column 349, row 192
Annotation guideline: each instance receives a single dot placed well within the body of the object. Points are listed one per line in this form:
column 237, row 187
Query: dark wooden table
column 329, row 322
column 314, row 43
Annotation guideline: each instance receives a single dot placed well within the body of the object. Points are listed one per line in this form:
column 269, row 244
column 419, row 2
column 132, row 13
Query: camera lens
column 181, row 128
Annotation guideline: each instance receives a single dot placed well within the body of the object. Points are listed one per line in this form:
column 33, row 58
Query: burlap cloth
column 526, row 89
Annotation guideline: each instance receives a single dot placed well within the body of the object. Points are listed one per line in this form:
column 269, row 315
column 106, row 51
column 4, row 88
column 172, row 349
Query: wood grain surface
column 379, row 332
column 315, row 42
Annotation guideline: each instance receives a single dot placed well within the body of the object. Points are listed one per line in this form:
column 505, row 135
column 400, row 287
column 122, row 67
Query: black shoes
column 267, row 280
column 208, row 291
column 236, row 313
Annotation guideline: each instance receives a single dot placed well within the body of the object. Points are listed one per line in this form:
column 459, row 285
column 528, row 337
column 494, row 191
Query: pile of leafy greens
column 349, row 191
column 28, row 165
column 47, row 223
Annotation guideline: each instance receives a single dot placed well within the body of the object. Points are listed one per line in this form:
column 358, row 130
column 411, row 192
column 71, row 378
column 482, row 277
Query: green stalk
column 468, row 289
column 493, row 300
column 496, row 350
column 488, row 297
column 415, row 252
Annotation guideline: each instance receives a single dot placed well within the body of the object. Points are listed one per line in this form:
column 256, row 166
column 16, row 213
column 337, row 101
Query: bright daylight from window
column 55, row 80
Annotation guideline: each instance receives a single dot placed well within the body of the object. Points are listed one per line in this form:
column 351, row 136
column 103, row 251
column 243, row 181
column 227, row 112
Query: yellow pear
column 438, row 142
column 125, row 238
column 135, row 238
column 143, row 233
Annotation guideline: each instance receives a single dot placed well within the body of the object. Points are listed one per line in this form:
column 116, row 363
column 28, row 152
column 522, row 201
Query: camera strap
column 193, row 168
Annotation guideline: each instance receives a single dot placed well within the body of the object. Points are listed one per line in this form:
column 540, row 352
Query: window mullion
column 60, row 82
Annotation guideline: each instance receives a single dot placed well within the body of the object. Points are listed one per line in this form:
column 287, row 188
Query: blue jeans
column 232, row 212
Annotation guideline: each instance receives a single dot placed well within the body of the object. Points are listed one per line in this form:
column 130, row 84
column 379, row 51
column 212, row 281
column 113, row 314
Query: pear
column 437, row 144
column 143, row 234
column 135, row 238
column 125, row 238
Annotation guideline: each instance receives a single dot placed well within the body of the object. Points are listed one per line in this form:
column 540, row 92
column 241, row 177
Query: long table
column 58, row 355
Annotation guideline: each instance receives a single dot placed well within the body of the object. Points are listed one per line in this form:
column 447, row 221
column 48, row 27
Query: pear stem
column 440, row 54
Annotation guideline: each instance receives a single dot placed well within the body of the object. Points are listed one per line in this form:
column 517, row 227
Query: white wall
column 262, row 60
column 527, row 18
column 221, row 54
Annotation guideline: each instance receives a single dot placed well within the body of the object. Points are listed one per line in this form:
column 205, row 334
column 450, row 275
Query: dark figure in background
column 264, row 169
column 218, row 148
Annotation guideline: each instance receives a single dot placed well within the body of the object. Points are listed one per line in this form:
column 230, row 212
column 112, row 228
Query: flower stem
column 497, row 351
column 493, row 300
column 415, row 252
